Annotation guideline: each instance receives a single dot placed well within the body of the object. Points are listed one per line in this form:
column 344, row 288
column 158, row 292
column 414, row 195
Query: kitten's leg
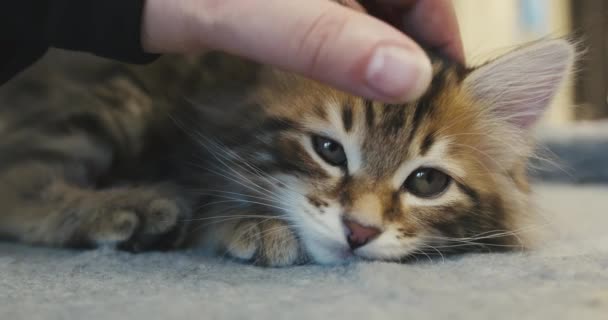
column 44, row 204
column 262, row 241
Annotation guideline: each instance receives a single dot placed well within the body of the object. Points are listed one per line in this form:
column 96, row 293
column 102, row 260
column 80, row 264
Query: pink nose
column 358, row 235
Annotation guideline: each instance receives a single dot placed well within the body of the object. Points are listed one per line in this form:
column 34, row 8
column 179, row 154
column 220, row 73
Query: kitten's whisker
column 219, row 221
column 414, row 254
column 421, row 249
column 240, row 201
column 241, row 176
column 273, row 230
column 439, row 252
column 219, row 193
column 550, row 160
column 223, row 154
column 254, row 186
column 477, row 240
column 482, row 245
column 242, row 217
column 220, row 154
column 241, row 183
column 268, row 178
column 252, row 168
column 464, row 241
column 474, row 241
column 236, row 216
column 238, row 160
column 197, row 136
column 521, row 230
column 229, row 196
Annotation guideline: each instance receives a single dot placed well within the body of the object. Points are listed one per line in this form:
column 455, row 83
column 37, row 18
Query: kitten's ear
column 520, row 85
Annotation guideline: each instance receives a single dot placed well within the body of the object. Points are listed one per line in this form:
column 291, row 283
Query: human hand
column 367, row 55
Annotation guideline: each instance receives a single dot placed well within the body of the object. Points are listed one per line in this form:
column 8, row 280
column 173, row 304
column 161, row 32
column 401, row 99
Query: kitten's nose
column 358, row 235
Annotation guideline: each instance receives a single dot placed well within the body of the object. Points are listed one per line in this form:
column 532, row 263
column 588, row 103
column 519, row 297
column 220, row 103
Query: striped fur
column 444, row 129
column 115, row 160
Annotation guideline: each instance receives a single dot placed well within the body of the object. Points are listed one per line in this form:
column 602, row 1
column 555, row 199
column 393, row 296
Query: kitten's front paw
column 264, row 242
column 158, row 224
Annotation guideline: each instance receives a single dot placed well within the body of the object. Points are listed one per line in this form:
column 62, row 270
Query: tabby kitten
column 288, row 172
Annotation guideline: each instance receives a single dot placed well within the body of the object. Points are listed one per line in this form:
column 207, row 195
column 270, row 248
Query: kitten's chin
column 388, row 248
column 328, row 254
column 331, row 254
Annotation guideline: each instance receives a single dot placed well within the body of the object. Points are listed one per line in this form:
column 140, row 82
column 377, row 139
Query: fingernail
column 396, row 73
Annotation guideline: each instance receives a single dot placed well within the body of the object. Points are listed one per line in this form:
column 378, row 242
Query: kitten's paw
column 113, row 227
column 156, row 224
column 268, row 243
column 161, row 215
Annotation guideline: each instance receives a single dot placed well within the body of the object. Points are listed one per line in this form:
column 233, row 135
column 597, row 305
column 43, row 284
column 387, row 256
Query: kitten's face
column 378, row 181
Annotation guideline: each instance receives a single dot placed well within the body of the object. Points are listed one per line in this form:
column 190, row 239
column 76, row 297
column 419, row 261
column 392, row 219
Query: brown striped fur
column 119, row 159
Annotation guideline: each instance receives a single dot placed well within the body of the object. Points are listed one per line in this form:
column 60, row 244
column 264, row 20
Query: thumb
column 347, row 49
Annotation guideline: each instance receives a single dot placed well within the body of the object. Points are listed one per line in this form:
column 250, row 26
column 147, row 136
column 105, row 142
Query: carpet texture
column 565, row 278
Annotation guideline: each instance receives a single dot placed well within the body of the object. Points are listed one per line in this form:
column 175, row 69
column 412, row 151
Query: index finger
column 433, row 23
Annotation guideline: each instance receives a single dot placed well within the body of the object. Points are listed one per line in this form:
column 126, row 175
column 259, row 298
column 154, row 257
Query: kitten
column 287, row 172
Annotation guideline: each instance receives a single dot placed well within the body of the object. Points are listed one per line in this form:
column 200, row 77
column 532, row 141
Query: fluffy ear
column 521, row 84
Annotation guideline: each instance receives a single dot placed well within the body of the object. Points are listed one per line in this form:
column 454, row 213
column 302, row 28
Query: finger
column 434, row 23
column 431, row 22
column 318, row 38
column 394, row 3
column 353, row 4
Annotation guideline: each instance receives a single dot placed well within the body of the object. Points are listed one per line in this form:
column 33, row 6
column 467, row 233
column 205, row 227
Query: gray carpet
column 566, row 277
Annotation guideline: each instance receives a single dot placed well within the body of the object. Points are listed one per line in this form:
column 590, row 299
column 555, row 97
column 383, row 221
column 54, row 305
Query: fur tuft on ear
column 521, row 84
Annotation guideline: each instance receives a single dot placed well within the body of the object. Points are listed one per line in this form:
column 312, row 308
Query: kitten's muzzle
column 358, row 235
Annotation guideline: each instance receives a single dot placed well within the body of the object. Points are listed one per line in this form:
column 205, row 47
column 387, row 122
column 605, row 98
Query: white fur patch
column 322, row 232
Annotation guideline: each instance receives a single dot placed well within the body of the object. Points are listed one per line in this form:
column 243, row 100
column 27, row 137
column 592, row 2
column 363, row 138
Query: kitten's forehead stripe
column 370, row 114
column 394, row 117
column 426, row 105
column 427, row 143
column 320, row 111
column 407, row 130
column 276, row 124
column 347, row 116
column 441, row 64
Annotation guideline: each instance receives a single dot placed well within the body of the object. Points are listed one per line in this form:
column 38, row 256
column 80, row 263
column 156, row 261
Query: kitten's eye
column 427, row 182
column 329, row 150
